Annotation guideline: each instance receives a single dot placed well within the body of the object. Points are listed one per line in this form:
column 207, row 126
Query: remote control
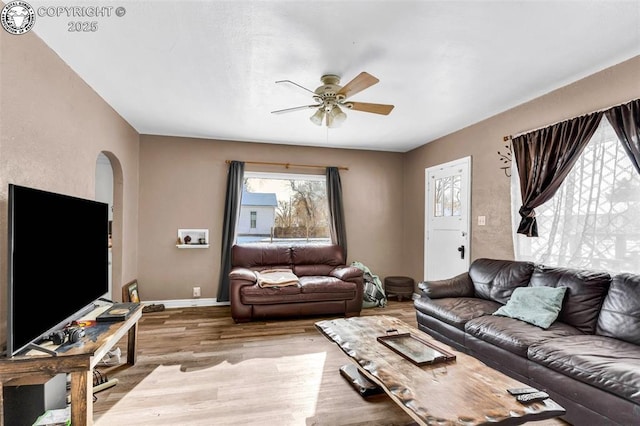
column 532, row 397
column 521, row 391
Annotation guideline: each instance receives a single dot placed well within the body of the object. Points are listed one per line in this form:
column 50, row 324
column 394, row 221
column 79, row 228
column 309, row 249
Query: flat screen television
column 58, row 262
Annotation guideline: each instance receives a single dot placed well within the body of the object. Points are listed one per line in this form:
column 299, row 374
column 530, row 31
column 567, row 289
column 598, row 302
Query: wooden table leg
column 131, row 344
column 82, row 398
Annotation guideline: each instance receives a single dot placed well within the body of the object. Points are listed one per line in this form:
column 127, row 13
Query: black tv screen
column 58, row 262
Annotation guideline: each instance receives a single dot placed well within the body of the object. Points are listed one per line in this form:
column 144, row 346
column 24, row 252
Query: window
column 447, row 196
column 281, row 207
column 591, row 222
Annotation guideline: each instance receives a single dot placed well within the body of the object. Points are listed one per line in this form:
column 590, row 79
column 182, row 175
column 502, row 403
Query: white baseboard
column 185, row 303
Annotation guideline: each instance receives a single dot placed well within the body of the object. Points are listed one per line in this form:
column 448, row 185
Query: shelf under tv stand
column 78, row 360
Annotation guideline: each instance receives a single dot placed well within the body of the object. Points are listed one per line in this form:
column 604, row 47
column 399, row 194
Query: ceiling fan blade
column 367, row 107
column 358, row 84
column 296, row 84
column 298, row 108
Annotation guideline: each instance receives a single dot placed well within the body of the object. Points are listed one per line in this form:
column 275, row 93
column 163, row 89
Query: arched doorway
column 109, row 190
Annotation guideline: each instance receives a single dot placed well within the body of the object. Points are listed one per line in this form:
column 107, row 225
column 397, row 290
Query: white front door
column 447, row 219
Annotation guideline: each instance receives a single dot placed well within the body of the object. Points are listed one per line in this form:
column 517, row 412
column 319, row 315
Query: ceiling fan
column 330, row 98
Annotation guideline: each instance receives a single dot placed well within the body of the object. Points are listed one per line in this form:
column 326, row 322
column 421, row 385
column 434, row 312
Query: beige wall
column 52, row 128
column 490, row 187
column 183, row 182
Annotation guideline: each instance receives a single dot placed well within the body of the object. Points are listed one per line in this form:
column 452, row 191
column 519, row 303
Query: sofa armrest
column 243, row 274
column 240, row 277
column 346, row 273
column 458, row 286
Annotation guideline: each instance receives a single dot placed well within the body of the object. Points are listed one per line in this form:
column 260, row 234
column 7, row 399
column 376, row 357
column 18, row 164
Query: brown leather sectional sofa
column 327, row 286
column 588, row 360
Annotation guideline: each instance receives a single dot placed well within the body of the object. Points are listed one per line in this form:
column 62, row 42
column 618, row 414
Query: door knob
column 461, row 250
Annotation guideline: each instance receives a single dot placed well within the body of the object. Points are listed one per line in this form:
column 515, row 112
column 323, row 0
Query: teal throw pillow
column 536, row 305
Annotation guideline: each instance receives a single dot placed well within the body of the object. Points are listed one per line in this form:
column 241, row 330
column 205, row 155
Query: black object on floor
column 360, row 383
column 153, row 308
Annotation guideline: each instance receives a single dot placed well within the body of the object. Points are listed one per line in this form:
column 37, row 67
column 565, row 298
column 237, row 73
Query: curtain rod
column 506, row 138
column 287, row 165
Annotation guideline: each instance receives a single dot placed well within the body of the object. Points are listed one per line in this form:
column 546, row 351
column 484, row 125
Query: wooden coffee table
column 461, row 391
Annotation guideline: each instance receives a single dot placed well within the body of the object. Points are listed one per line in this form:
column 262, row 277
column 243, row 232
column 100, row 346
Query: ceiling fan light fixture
column 335, row 117
column 317, row 117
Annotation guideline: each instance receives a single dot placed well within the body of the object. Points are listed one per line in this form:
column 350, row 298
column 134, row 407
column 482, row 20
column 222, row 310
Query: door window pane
column 455, row 195
column 437, row 195
column 447, row 196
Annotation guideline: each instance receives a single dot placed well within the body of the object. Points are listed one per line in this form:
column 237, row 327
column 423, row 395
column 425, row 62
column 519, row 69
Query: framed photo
column 130, row 292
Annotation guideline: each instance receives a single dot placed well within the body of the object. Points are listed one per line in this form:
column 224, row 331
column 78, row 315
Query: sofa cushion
column 331, row 285
column 261, row 256
column 514, row 335
column 254, row 294
column 332, row 255
column 603, row 362
column 496, row 279
column 455, row 311
column 536, row 305
column 620, row 313
column 585, row 293
column 310, row 289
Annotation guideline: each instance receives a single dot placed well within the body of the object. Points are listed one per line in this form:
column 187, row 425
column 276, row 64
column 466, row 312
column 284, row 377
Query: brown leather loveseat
column 588, row 359
column 326, row 285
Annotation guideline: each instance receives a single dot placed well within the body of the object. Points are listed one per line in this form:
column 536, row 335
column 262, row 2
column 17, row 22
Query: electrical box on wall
column 193, row 238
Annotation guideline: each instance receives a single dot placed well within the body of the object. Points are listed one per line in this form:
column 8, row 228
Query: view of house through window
column 279, row 207
column 592, row 221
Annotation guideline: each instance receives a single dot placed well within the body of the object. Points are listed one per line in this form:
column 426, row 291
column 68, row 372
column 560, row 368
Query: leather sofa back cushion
column 260, row 256
column 331, row 255
column 620, row 314
column 583, row 298
column 496, row 279
column 303, row 260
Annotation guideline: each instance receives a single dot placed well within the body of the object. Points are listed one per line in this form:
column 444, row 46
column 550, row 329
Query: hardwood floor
column 195, row 366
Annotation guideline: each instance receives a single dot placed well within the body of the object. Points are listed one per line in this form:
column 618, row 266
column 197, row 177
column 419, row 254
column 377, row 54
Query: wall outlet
column 196, row 292
column 482, row 220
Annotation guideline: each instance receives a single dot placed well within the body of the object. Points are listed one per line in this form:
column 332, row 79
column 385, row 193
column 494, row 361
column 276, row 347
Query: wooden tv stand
column 77, row 359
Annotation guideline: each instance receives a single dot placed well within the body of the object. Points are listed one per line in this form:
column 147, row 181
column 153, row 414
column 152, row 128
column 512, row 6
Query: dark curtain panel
column 544, row 158
column 231, row 211
column 625, row 120
column 336, row 210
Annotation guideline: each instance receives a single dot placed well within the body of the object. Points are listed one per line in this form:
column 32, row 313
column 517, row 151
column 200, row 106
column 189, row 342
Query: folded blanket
column 276, row 278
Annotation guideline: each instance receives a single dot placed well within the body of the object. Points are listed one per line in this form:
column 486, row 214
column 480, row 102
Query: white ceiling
column 208, row 68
